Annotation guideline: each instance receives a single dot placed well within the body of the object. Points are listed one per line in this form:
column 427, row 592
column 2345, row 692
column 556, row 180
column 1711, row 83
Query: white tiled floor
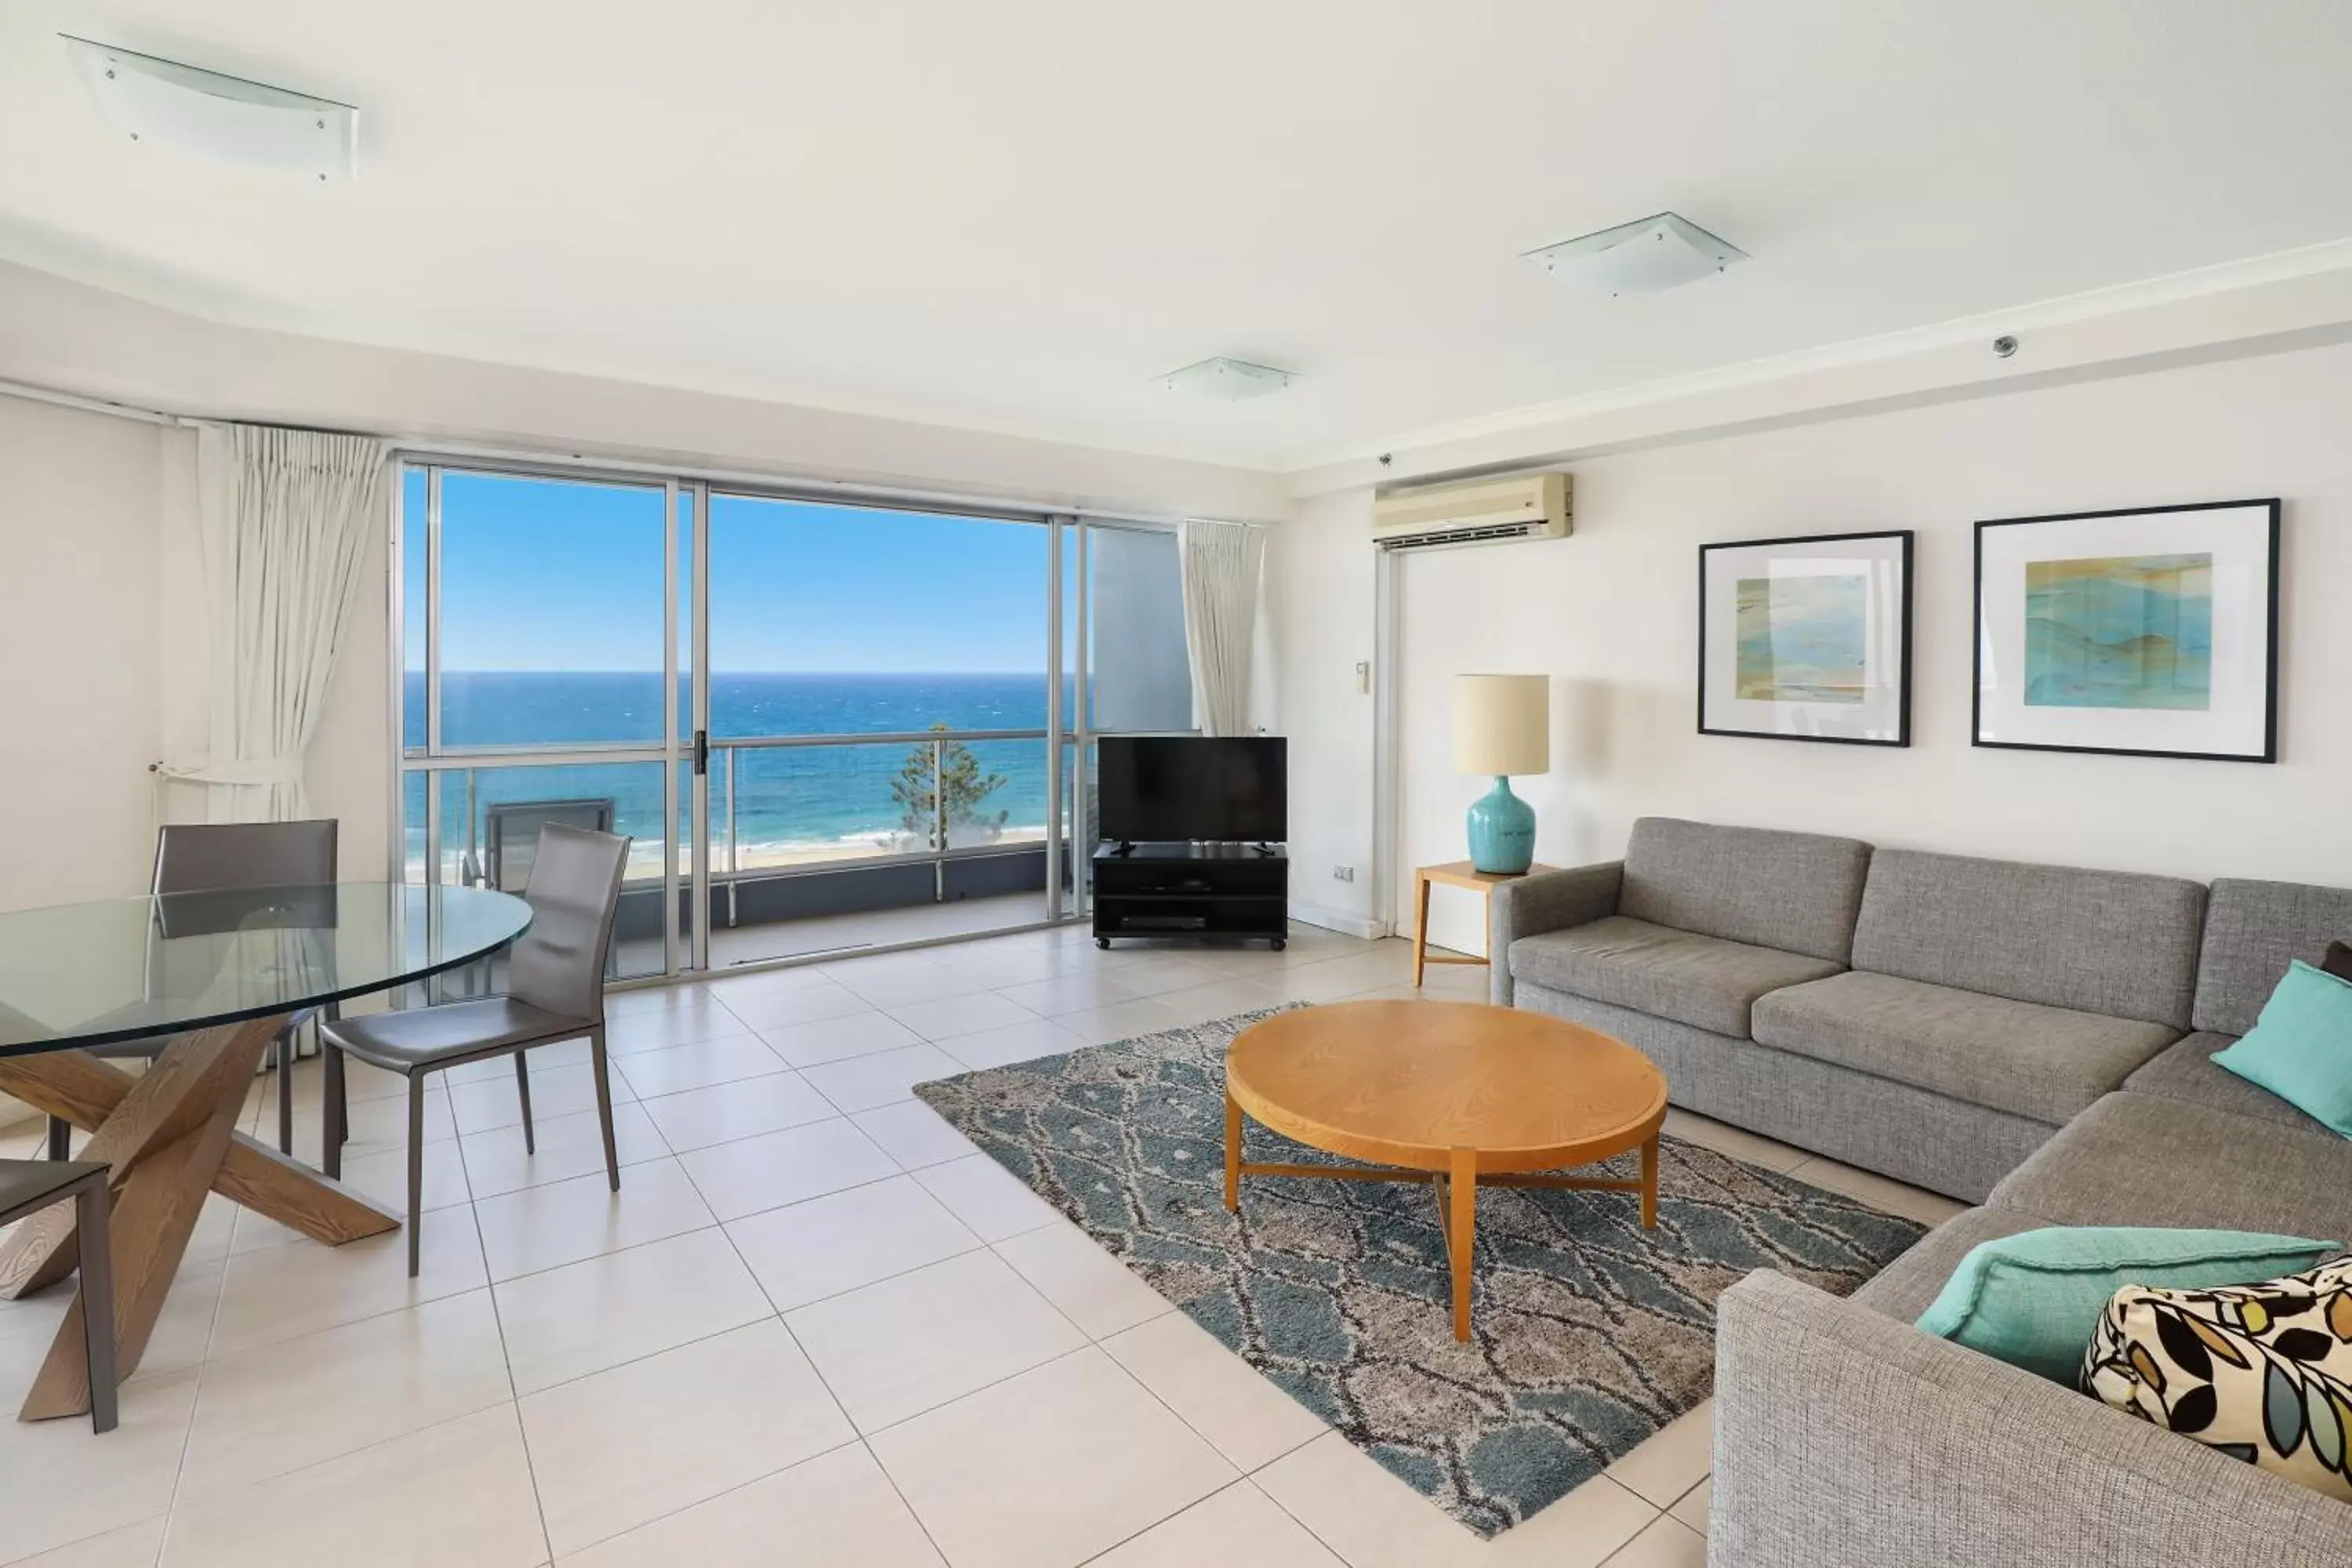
column 812, row 1315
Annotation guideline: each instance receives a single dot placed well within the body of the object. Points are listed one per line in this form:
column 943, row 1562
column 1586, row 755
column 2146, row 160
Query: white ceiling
column 1015, row 214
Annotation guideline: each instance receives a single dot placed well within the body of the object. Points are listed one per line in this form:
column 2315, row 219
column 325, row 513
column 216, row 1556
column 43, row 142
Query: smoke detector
column 1228, row 380
column 223, row 117
column 1641, row 257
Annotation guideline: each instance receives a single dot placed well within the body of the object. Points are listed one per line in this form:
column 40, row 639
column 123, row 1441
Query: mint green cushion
column 2033, row 1299
column 2301, row 1047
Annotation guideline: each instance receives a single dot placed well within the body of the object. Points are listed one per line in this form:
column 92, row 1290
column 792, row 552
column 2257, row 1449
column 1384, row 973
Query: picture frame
column 2142, row 631
column 1807, row 638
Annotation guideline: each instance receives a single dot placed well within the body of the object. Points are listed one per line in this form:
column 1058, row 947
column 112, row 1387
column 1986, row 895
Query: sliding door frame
column 688, row 875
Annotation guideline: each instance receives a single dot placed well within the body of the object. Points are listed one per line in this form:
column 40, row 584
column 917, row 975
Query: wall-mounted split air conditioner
column 1476, row 512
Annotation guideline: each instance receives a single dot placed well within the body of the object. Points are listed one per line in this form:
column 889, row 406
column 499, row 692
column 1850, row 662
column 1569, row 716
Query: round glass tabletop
column 126, row 969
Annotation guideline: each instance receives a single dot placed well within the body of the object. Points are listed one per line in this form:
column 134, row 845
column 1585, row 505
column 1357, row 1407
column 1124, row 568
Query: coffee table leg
column 1233, row 1154
column 1650, row 1183
column 1460, row 1231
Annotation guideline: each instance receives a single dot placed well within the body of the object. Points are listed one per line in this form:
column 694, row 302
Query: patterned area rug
column 1588, row 1332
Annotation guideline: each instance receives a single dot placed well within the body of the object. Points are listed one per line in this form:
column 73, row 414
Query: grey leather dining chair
column 28, row 1186
column 233, row 856
column 555, row 990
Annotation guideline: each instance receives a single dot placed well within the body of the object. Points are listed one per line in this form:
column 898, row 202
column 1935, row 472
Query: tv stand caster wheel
column 1103, row 942
column 1278, row 944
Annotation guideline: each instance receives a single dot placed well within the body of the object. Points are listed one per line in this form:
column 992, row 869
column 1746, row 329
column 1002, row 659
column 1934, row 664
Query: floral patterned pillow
column 2261, row 1373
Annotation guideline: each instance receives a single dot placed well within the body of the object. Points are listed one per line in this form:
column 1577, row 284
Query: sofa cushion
column 2033, row 1299
column 2186, row 1072
column 1702, row 981
column 1795, row 891
column 2252, row 929
column 2258, row 1370
column 2096, row 942
column 2048, row 1063
column 2301, row 1047
column 2135, row 1158
column 1909, row 1286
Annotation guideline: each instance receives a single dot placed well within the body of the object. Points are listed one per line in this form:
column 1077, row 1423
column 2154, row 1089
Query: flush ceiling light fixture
column 221, row 117
column 1228, row 380
column 1641, row 257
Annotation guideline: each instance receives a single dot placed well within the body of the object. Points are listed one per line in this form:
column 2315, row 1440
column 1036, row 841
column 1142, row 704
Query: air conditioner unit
column 1480, row 511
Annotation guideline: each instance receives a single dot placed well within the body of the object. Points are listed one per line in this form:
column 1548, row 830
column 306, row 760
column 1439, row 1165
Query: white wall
column 79, row 706
column 103, row 662
column 59, row 333
column 1611, row 614
column 1319, row 611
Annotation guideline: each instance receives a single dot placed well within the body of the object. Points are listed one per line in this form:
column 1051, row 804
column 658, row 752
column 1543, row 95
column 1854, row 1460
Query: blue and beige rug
column 1589, row 1334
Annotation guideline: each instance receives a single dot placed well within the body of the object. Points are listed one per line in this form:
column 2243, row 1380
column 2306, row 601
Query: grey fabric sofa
column 1930, row 1016
column 1845, row 1436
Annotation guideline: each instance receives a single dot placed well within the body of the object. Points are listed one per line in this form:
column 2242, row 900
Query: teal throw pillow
column 2033, row 1300
column 2301, row 1047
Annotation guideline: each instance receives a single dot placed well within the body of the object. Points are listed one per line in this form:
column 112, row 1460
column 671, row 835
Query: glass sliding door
column 826, row 727
column 877, row 683
column 538, row 685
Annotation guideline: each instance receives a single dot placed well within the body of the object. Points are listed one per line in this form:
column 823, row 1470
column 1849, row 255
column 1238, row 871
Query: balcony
column 817, row 845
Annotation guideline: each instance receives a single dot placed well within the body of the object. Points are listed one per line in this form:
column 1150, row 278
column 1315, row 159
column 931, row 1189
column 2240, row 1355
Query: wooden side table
column 1453, row 874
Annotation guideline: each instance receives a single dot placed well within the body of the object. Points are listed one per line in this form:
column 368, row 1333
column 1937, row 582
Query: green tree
column 959, row 779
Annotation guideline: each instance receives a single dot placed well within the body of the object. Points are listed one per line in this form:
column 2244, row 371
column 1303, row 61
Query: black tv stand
column 1192, row 891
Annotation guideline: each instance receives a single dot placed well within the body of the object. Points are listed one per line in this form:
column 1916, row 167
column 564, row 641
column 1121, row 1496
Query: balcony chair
column 27, row 1186
column 555, row 990
column 223, row 857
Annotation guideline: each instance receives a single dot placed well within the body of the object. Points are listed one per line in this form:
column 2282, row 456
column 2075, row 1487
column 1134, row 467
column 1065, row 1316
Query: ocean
column 791, row 804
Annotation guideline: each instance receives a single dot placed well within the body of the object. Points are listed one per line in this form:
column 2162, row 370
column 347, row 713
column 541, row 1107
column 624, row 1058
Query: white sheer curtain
column 288, row 517
column 1222, row 562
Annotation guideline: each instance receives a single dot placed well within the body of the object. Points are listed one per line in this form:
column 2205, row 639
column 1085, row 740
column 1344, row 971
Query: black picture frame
column 1905, row 544
column 2268, row 753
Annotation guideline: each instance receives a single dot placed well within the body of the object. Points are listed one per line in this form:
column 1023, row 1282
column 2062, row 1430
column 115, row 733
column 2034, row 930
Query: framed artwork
column 1807, row 639
column 2151, row 632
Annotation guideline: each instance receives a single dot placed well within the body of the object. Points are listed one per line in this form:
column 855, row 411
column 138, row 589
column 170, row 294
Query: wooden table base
column 170, row 1135
column 1456, row 1190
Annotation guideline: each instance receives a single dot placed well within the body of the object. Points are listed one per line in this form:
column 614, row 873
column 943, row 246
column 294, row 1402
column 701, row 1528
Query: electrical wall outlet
column 1343, row 873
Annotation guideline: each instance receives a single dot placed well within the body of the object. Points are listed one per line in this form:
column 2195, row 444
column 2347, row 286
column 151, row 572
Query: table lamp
column 1502, row 725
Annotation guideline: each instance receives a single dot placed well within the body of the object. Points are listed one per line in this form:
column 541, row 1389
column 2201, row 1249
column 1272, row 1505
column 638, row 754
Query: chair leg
column 342, row 1092
column 60, row 1138
column 334, row 1110
column 92, row 1216
column 605, row 1105
column 286, row 1091
column 416, row 1167
column 522, row 1088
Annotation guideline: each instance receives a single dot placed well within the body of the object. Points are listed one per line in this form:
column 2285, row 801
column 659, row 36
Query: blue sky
column 539, row 574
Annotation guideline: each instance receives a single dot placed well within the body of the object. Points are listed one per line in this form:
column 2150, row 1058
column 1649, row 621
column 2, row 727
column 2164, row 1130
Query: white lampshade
column 1502, row 723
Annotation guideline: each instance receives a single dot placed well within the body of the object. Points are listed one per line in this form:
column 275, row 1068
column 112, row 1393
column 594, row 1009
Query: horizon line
column 685, row 674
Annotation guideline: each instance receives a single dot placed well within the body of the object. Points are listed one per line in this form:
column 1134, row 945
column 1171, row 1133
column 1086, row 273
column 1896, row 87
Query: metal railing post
column 939, row 819
column 731, row 867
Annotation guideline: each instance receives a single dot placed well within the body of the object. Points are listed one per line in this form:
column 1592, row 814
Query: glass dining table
column 210, row 979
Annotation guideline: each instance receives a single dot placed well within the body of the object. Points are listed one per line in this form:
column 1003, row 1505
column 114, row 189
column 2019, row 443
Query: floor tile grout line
column 817, row 1372
column 1238, row 1481
column 514, row 1393
column 846, row 1443
column 472, row 1202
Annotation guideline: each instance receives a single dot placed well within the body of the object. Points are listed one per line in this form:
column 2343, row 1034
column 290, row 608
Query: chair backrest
column 223, row 856
column 575, row 890
column 510, row 834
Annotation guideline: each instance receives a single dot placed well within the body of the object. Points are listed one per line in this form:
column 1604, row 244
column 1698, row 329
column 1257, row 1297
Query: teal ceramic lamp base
column 1502, row 832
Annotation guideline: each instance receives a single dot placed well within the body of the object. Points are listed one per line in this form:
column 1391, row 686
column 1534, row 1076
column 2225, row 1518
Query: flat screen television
column 1228, row 789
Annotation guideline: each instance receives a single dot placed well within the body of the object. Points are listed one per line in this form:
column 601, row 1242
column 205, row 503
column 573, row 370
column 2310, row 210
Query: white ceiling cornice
column 2289, row 299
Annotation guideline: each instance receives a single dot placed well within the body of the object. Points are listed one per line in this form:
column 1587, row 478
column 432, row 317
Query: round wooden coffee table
column 1449, row 1093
